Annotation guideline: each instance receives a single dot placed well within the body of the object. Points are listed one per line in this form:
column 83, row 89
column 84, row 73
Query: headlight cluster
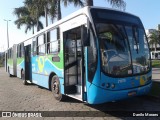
column 109, row 85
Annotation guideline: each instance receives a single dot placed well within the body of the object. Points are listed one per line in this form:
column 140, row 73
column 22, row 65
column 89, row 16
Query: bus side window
column 48, row 42
column 17, row 51
column 34, row 49
column 11, row 53
column 8, row 54
column 41, row 44
column 22, row 50
column 53, row 42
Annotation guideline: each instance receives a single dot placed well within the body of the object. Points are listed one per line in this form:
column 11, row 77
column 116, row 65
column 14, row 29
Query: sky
column 147, row 10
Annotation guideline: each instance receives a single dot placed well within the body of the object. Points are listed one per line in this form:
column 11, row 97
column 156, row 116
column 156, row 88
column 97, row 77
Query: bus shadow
column 12, row 76
column 126, row 108
column 122, row 105
column 71, row 100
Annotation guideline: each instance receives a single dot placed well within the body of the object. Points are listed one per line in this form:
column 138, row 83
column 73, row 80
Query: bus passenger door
column 73, row 64
column 27, row 66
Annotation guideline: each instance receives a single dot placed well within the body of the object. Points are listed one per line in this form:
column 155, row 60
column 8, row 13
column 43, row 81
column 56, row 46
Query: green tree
column 40, row 8
column 57, row 8
column 66, row 3
column 2, row 58
column 36, row 9
column 158, row 37
column 115, row 3
column 30, row 14
column 24, row 18
column 154, row 39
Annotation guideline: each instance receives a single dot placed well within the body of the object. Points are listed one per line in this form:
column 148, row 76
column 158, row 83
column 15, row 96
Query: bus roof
column 84, row 10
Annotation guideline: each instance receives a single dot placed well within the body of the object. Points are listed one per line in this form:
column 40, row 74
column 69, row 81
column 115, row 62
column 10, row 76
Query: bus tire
column 55, row 88
column 23, row 77
column 9, row 73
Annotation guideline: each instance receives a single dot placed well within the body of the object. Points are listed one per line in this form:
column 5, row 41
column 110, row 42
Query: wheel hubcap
column 55, row 87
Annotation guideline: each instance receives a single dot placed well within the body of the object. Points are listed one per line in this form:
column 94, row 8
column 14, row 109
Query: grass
column 1, row 65
column 156, row 63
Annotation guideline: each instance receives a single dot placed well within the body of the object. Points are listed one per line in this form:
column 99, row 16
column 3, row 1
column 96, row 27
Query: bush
column 2, row 59
column 156, row 63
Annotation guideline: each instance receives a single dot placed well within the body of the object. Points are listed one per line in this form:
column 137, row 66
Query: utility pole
column 7, row 32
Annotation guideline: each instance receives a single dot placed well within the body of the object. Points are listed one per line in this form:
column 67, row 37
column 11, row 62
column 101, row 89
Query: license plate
column 132, row 93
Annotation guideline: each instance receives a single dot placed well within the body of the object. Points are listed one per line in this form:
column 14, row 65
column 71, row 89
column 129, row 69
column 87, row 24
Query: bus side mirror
column 85, row 36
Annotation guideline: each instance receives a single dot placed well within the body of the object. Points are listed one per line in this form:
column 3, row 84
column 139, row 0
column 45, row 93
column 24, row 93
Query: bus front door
column 73, row 64
column 27, row 60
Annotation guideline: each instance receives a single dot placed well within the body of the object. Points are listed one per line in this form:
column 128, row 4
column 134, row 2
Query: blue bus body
column 95, row 55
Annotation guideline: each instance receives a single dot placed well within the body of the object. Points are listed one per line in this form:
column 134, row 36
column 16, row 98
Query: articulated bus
column 11, row 61
column 94, row 55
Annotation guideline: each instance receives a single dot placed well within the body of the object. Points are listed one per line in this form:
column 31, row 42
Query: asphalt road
column 14, row 96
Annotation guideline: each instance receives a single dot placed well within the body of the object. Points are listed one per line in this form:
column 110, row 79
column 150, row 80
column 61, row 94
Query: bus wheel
column 23, row 77
column 55, row 87
column 9, row 73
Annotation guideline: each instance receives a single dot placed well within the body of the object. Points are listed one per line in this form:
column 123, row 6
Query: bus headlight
column 107, row 85
column 112, row 86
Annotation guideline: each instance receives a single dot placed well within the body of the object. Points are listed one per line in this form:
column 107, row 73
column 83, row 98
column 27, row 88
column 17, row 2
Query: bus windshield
column 123, row 44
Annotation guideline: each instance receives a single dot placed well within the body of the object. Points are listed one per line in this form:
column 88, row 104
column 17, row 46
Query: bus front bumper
column 97, row 95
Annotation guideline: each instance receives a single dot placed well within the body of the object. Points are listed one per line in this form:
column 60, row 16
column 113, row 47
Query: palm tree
column 151, row 43
column 43, row 8
column 57, row 9
column 158, row 37
column 52, row 10
column 154, row 39
column 66, row 3
column 36, row 9
column 115, row 3
column 25, row 18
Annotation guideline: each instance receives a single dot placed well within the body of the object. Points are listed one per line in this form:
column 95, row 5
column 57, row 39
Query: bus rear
column 11, row 65
column 119, row 65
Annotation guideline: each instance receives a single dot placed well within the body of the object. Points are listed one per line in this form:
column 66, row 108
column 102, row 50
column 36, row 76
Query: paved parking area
column 156, row 74
column 14, row 96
